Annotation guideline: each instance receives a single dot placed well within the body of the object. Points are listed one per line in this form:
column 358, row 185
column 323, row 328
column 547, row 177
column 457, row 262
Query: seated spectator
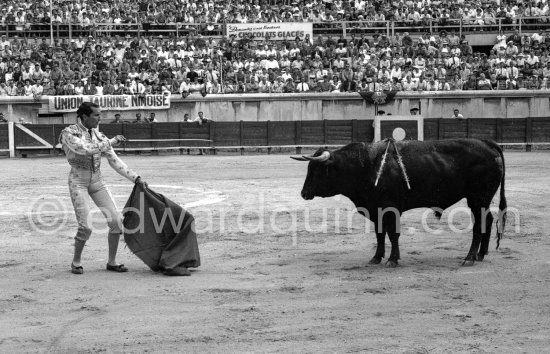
column 264, row 86
column 484, row 83
column 302, row 86
column 185, row 87
column 278, row 85
column 289, row 86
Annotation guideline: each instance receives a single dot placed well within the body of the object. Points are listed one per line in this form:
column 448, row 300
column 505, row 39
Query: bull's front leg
column 380, row 248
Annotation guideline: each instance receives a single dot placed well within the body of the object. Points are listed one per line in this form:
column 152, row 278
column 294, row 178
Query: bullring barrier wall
column 308, row 107
column 43, row 138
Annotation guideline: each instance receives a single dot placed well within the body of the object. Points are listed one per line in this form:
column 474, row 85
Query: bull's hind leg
column 486, row 225
column 394, row 256
column 477, row 234
column 392, row 227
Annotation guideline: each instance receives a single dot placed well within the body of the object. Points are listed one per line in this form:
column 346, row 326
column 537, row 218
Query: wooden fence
column 43, row 138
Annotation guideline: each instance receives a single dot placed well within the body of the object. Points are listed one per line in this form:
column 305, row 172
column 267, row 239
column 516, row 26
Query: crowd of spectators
column 372, row 12
column 185, row 65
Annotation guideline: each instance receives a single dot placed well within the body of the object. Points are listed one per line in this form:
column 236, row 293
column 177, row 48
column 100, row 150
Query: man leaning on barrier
column 84, row 145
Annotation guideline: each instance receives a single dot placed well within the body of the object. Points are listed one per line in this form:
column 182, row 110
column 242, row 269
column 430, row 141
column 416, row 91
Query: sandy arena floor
column 278, row 274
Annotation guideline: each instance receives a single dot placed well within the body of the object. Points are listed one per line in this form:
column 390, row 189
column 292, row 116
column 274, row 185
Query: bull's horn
column 322, row 158
column 300, row 158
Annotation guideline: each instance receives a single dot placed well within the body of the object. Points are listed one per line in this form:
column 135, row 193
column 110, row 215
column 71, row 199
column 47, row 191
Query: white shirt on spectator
column 409, row 86
column 454, row 60
column 136, row 87
column 532, row 59
column 286, row 76
column 293, row 52
column 272, row 64
column 536, row 36
column 28, row 90
column 184, row 87
column 238, row 65
column 513, row 72
column 119, row 53
column 37, row 89
column 271, row 52
column 302, row 87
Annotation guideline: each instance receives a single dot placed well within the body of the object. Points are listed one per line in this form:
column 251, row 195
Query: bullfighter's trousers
column 84, row 183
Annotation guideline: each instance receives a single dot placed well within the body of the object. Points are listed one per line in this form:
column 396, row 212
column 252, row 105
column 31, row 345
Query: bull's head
column 320, row 179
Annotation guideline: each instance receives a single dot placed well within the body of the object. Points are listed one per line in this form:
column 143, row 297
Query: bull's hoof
column 375, row 260
column 469, row 261
column 391, row 263
column 480, row 257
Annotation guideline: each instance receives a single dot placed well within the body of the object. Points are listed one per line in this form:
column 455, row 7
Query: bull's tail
column 502, row 206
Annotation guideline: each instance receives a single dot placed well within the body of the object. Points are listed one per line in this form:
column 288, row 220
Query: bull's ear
column 299, row 158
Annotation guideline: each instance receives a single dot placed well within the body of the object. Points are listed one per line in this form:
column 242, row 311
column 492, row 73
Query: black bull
column 440, row 173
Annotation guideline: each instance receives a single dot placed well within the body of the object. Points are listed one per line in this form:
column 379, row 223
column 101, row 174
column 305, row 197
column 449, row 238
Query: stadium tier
column 187, row 47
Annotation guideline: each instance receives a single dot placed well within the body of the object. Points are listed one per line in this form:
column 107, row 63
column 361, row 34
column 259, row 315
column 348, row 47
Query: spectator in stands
column 302, row 86
column 289, row 86
column 186, row 118
column 158, row 65
column 89, row 88
column 484, row 83
column 152, row 118
column 2, row 118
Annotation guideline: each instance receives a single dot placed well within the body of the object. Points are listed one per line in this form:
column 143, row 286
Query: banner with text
column 109, row 102
column 275, row 31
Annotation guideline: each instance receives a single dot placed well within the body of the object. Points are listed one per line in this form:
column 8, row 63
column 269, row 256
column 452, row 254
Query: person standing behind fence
column 84, row 145
column 201, row 119
column 456, row 114
column 117, row 119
